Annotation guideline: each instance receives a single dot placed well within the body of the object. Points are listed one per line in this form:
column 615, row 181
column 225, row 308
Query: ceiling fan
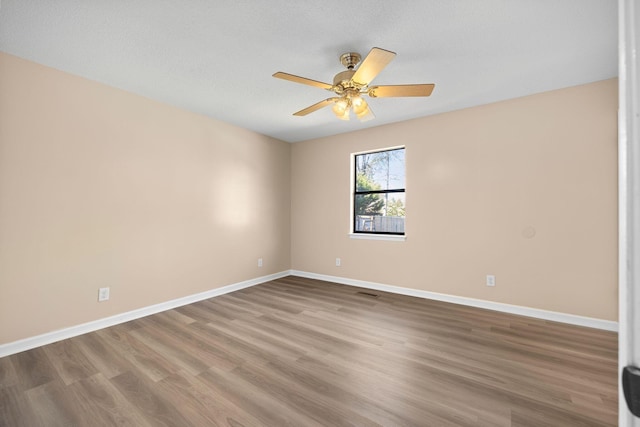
column 350, row 85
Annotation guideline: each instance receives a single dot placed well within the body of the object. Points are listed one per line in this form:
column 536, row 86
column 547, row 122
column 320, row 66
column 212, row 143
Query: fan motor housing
column 342, row 78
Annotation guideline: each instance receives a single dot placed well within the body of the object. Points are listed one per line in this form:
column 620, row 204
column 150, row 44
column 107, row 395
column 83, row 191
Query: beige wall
column 99, row 187
column 477, row 179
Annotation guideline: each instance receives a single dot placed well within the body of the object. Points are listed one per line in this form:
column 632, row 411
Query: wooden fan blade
column 315, row 107
column 303, row 80
column 371, row 66
column 401, row 90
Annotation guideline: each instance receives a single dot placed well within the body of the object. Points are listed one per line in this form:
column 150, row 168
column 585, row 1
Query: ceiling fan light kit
column 350, row 85
column 344, row 105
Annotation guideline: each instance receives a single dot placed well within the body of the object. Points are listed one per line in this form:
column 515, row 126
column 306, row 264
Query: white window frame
column 352, row 172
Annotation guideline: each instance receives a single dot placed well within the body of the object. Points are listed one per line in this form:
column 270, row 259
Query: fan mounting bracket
column 350, row 59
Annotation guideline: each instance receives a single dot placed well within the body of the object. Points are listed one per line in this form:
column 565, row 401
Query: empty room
column 316, row 214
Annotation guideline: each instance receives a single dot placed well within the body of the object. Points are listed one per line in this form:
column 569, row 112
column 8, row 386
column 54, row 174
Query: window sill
column 365, row 236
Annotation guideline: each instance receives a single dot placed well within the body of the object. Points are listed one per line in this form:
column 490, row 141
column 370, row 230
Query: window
column 379, row 193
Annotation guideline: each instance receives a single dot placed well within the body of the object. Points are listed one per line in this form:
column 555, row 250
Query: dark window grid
column 357, row 193
column 364, row 193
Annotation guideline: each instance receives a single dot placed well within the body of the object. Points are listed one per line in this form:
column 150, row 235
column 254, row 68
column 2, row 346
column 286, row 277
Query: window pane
column 380, row 213
column 380, row 171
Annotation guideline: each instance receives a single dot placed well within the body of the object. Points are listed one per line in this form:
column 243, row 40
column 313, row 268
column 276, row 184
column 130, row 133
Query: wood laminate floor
column 302, row 352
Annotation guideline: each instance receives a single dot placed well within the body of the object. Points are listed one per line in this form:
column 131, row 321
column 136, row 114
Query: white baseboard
column 571, row 319
column 61, row 334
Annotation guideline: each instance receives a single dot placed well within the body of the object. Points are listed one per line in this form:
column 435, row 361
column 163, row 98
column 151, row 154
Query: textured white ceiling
column 216, row 57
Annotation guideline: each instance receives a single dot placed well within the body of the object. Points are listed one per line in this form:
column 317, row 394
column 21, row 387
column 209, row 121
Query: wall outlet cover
column 103, row 294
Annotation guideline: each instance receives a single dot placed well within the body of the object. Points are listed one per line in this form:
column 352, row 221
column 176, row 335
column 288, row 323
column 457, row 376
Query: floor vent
column 367, row 294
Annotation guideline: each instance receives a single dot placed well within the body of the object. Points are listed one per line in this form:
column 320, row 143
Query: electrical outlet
column 259, row 262
column 491, row 280
column 338, row 262
column 103, row 294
